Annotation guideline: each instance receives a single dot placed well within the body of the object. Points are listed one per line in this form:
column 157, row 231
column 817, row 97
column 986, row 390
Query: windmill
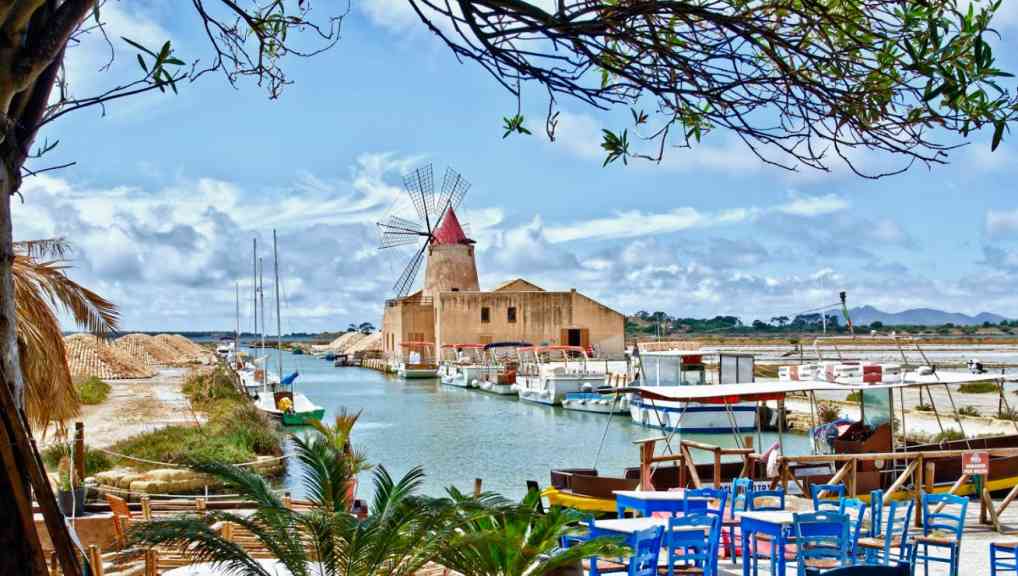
column 432, row 220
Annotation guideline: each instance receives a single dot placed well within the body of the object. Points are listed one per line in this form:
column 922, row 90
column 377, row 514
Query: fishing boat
column 280, row 401
column 417, row 360
column 501, row 365
column 547, row 373
column 676, row 367
column 462, row 365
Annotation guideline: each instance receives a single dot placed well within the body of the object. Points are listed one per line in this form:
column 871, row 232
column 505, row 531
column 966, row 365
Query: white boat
column 597, row 402
column 502, row 362
column 417, row 360
column 462, row 365
column 548, row 373
column 225, row 349
column 686, row 368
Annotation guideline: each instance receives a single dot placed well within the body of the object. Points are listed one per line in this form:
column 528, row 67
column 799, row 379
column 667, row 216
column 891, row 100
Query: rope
column 118, row 490
column 173, row 465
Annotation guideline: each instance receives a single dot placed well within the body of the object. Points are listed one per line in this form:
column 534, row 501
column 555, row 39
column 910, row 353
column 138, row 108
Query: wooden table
column 646, row 502
column 92, row 528
column 272, row 566
column 773, row 524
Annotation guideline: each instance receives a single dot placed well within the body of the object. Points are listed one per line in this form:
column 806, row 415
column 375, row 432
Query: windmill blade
column 406, row 279
column 454, row 188
column 396, row 231
column 420, row 186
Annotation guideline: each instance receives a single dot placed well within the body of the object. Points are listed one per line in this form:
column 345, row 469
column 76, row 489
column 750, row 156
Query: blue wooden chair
column 739, row 501
column 1003, row 557
column 579, row 536
column 764, row 500
column 890, row 544
column 943, row 524
column 691, row 542
column 821, row 541
column 876, row 512
column 855, row 510
column 832, row 502
column 646, row 546
column 718, row 498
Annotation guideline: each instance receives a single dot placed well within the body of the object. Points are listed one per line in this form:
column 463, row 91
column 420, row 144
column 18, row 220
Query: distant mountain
column 920, row 316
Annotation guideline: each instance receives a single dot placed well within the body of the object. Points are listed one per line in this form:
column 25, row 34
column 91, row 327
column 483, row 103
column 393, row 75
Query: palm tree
column 517, row 540
column 403, row 532
column 41, row 288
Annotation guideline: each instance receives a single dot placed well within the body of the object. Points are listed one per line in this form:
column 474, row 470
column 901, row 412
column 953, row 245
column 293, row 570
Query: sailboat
column 282, row 402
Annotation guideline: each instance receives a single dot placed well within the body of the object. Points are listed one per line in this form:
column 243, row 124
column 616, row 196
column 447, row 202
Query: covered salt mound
column 90, row 356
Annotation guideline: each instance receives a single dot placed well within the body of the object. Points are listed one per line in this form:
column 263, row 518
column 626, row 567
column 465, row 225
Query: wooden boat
column 417, row 360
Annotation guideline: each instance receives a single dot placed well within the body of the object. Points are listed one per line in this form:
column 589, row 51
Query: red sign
column 975, row 463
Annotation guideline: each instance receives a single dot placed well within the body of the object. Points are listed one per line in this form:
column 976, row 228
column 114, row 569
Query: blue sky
column 169, row 190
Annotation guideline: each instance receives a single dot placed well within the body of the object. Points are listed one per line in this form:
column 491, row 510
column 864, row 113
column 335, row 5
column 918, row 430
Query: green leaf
column 998, row 134
column 138, row 46
column 141, row 62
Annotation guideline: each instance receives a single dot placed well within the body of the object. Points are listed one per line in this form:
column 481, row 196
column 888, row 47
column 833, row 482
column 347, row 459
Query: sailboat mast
column 254, row 283
column 279, row 323
column 261, row 296
column 236, row 335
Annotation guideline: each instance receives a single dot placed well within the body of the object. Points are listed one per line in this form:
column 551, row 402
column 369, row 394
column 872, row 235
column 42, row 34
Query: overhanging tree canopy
column 800, row 82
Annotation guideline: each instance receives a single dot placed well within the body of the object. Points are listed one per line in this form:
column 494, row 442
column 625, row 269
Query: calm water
column 458, row 435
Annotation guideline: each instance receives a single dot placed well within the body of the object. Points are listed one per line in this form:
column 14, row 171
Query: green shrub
column 92, row 391
column 979, row 388
column 95, row 461
column 969, row 411
column 854, row 396
column 924, row 407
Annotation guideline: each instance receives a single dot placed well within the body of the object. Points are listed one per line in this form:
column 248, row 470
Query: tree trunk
column 18, row 555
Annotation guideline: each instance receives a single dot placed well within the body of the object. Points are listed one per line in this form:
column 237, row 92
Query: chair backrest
column 876, row 512
column 896, row 526
column 646, row 546
column 693, row 538
column 855, row 510
column 821, row 535
column 741, row 487
column 718, row 498
column 944, row 513
column 826, row 496
column 762, row 500
column 121, row 517
column 896, row 570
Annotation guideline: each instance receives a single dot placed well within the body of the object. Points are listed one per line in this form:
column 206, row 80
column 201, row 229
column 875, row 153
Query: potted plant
column 70, row 492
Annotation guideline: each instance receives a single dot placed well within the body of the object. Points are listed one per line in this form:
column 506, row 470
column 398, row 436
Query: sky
column 168, row 192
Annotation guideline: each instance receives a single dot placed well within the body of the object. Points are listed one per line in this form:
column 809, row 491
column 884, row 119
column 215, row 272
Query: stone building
column 452, row 309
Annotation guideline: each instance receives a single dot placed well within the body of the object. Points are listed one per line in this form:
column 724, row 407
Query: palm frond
column 196, row 541
column 46, row 248
column 47, row 279
column 249, row 484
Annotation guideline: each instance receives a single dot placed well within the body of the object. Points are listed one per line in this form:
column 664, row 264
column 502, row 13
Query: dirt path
column 136, row 406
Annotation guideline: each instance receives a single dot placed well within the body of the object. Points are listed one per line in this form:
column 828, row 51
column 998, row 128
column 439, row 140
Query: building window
column 455, row 289
column 485, row 315
column 511, row 316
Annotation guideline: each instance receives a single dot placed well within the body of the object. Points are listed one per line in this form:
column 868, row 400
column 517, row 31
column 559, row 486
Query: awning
column 734, row 393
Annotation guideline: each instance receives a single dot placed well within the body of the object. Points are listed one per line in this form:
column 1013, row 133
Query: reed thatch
column 187, row 351
column 40, row 288
column 90, row 356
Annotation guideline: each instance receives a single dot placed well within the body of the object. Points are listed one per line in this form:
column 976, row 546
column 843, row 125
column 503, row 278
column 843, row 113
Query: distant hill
column 920, row 317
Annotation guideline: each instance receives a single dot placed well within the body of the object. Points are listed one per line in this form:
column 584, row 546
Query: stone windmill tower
column 451, row 266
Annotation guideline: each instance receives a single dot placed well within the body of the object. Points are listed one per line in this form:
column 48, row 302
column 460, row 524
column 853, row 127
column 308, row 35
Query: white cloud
column 636, row 223
column 802, row 205
column 1001, row 222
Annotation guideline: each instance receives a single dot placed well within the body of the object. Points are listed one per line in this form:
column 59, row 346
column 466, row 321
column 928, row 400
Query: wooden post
column 852, row 478
column 477, row 486
column 929, row 475
column 646, row 461
column 717, row 468
column 287, row 501
column 151, row 562
column 79, row 451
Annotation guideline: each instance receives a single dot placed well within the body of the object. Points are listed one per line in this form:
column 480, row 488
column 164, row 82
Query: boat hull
column 596, row 403
column 551, row 390
column 417, row 372
column 696, row 417
column 302, row 418
column 499, row 389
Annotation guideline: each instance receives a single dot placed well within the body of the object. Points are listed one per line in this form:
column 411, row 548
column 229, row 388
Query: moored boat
column 417, row 360
column 462, row 365
column 502, row 361
column 548, row 373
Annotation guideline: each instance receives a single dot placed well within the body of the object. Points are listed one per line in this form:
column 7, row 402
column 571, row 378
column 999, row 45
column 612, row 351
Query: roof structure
column 449, row 230
column 518, row 285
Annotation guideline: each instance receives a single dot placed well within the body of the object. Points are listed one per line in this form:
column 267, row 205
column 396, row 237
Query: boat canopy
column 507, row 345
column 776, row 390
column 464, row 346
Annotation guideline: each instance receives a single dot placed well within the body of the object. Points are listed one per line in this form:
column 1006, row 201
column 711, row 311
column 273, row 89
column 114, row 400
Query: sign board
column 975, row 463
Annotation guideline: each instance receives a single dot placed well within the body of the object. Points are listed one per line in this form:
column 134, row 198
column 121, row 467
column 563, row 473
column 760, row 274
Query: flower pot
column 351, row 493
column 72, row 503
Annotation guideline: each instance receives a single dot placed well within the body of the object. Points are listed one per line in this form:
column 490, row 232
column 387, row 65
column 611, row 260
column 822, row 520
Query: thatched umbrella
column 41, row 288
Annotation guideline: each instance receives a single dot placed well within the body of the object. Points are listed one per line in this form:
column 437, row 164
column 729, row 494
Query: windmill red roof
column 449, row 230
